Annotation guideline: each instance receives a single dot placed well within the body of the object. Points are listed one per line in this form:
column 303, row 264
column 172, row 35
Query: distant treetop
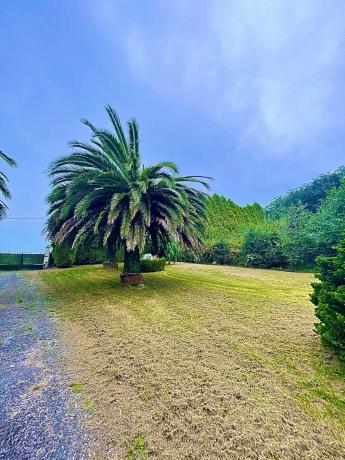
column 310, row 195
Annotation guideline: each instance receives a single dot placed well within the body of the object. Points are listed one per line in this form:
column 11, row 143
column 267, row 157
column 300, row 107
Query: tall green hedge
column 226, row 220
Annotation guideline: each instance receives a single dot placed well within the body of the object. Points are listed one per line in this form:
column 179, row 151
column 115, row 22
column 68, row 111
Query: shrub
column 172, row 252
column 88, row 254
column 329, row 299
column 217, row 253
column 152, row 265
column 222, row 253
column 205, row 255
column 63, row 255
column 187, row 255
column 263, row 248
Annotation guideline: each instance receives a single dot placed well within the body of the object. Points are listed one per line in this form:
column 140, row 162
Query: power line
column 24, row 218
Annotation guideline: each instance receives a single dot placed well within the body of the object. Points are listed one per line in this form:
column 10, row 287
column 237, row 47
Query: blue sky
column 250, row 92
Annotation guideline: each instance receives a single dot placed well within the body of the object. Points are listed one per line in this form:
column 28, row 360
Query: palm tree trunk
column 154, row 244
column 131, row 261
column 110, row 262
column 111, row 253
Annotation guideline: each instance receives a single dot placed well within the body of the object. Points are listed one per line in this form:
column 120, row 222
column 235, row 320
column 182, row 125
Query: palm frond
column 118, row 128
column 7, row 159
column 133, row 130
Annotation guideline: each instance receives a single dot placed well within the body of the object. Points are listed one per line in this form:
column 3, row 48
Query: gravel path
column 39, row 416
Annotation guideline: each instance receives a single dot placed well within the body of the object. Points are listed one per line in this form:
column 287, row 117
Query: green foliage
column 217, row 253
column 329, row 299
column 120, row 255
column 222, row 253
column 297, row 239
column 138, row 451
column 307, row 231
column 76, row 387
column 311, row 195
column 172, row 252
column 102, row 190
column 326, row 227
column 86, row 254
column 226, row 221
column 63, row 255
column 152, row 265
column 187, row 255
column 4, row 191
column 307, row 235
column 263, row 248
column 301, row 233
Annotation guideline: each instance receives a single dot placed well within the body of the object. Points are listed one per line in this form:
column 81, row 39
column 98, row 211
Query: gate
column 19, row 261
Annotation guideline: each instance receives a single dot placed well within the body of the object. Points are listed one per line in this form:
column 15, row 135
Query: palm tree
column 102, row 191
column 4, row 191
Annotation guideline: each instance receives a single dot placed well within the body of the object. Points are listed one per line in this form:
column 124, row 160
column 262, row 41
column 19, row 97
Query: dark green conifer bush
column 329, row 299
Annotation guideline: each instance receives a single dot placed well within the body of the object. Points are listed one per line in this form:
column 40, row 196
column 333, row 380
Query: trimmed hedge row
column 152, row 265
column 64, row 256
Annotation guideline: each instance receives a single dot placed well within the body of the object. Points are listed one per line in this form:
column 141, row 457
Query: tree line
column 291, row 232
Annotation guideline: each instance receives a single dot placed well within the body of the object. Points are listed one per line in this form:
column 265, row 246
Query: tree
column 310, row 195
column 4, row 191
column 297, row 237
column 326, row 227
column 329, row 299
column 102, row 191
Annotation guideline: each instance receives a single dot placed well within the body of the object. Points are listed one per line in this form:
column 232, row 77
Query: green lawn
column 205, row 362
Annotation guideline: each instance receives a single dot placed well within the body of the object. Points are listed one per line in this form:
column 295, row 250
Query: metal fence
column 19, row 261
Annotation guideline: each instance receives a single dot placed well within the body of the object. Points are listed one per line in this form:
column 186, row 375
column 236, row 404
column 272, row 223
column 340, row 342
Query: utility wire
column 24, row 218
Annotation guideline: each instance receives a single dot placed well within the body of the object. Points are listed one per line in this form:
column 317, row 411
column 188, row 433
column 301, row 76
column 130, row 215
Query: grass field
column 205, row 362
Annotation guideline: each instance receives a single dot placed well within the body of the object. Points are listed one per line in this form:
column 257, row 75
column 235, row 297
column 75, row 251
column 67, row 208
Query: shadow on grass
column 97, row 281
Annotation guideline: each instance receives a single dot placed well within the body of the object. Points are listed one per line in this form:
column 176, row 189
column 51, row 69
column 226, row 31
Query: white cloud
column 271, row 69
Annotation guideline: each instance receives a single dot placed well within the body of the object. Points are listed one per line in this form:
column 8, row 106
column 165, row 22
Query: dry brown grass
column 205, row 362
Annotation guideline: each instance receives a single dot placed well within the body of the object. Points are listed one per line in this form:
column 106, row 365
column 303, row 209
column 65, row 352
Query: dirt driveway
column 39, row 416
